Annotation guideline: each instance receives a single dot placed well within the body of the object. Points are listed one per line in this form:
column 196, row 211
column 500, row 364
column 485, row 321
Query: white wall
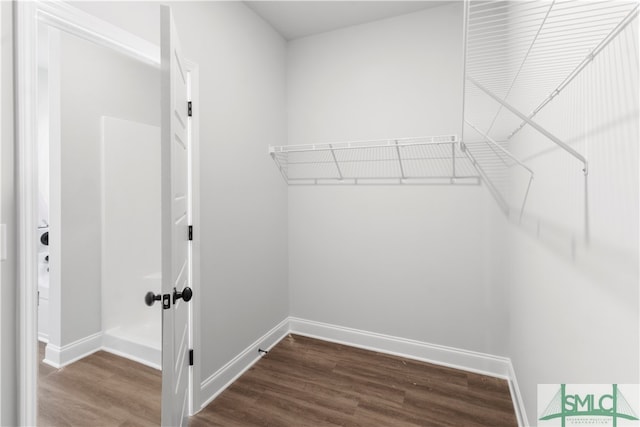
column 94, row 81
column 243, row 200
column 413, row 262
column 574, row 304
column 8, row 279
column 43, row 137
column 131, row 264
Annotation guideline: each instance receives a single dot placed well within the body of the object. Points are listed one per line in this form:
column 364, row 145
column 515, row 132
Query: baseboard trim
column 225, row 376
column 128, row 348
column 59, row 357
column 466, row 360
column 516, row 397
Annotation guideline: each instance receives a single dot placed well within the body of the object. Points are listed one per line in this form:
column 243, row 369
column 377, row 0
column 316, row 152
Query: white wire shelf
column 406, row 161
column 520, row 55
column 527, row 52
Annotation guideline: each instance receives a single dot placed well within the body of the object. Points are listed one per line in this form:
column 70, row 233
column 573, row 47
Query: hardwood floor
column 307, row 382
column 301, row 382
column 99, row 390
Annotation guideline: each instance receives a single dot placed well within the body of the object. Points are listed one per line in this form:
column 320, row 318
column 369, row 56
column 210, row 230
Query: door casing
column 67, row 18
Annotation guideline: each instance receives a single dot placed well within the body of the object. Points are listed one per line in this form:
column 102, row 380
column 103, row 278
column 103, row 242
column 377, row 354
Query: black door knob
column 44, row 238
column 186, row 294
column 150, row 298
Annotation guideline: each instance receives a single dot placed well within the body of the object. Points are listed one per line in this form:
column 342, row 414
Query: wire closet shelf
column 519, row 56
column 404, row 161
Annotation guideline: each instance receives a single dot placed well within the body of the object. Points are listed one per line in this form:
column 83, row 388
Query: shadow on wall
column 592, row 221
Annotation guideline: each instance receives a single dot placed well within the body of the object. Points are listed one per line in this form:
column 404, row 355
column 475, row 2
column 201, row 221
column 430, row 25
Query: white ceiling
column 295, row 19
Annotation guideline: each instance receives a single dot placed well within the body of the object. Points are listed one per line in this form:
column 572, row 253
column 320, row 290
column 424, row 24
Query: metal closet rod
column 533, row 124
column 599, row 48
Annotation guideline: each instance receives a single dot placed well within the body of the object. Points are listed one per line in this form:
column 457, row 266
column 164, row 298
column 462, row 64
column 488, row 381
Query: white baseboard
column 128, row 349
column 466, row 360
column 59, row 357
column 516, row 397
column 225, row 376
column 210, row 388
column 471, row 361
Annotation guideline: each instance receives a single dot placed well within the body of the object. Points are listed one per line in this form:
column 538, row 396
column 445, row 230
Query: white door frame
column 2, row 227
column 74, row 21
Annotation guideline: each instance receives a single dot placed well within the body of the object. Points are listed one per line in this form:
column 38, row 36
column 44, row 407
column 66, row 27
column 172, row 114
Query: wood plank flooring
column 301, row 382
column 307, row 382
column 100, row 390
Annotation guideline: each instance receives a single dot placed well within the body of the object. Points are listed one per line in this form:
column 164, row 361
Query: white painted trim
column 130, row 356
column 516, row 397
column 225, row 376
column 3, row 233
column 195, row 334
column 131, row 350
column 3, row 227
column 27, row 207
column 481, row 363
column 55, row 190
column 65, row 17
column 59, row 357
column 470, row 361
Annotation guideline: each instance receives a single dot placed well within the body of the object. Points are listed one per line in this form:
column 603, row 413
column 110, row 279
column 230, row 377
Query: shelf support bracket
column 586, row 61
column 492, row 188
column 335, row 160
column 533, row 124
column 453, row 161
column 400, row 161
column 512, row 157
column 272, row 153
column 499, row 147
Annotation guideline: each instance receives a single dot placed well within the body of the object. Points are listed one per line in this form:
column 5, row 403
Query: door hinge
column 191, row 232
column 189, row 109
column 191, row 357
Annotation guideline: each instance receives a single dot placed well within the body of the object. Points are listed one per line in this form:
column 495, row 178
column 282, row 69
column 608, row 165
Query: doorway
column 99, row 130
column 104, row 116
column 90, row 299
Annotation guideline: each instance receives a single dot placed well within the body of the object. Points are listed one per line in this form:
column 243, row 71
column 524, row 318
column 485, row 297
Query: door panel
column 175, row 244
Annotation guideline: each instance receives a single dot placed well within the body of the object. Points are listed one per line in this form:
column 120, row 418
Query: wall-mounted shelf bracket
column 335, row 160
column 533, row 124
column 400, row 161
column 633, row 13
column 517, row 161
column 502, row 203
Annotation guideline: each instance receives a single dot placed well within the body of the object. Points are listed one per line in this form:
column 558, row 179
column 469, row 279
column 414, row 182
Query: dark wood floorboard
column 301, row 382
column 100, row 390
column 308, row 382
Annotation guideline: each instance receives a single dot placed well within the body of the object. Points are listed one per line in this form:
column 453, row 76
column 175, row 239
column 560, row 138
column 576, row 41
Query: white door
column 175, row 242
